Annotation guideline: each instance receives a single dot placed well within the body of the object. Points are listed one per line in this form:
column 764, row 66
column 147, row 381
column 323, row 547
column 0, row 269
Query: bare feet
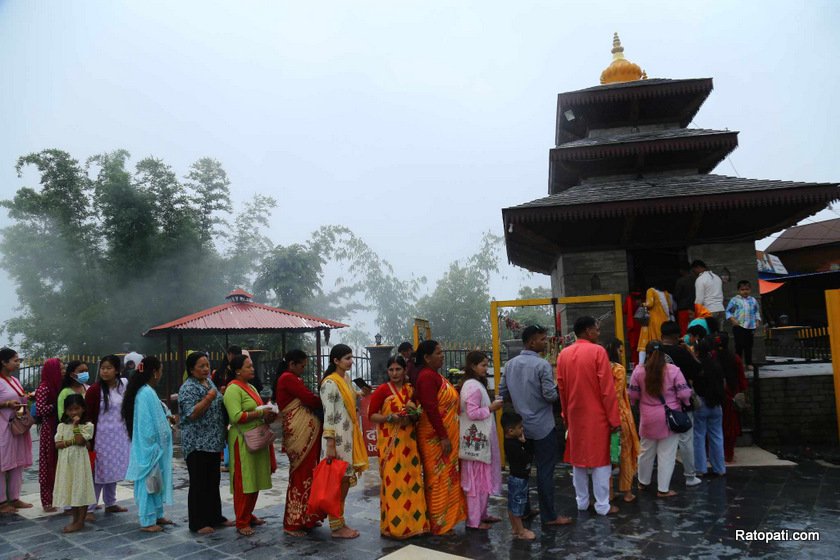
column 256, row 521
column 206, row 531
column 115, row 509
column 612, row 510
column 561, row 520
column 7, row 509
column 481, row 527
column 152, row 529
column 345, row 533
column 629, row 497
column 297, row 533
column 50, row 509
column 490, row 519
column 89, row 517
column 228, row 523
column 667, row 494
column 20, row 505
column 525, row 535
column 164, row 521
column 73, row 527
column 245, row 531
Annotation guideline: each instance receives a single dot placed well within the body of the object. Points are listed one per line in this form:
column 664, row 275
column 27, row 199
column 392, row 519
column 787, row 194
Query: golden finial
column 621, row 69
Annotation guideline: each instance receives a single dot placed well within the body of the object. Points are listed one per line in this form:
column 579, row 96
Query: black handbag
column 678, row 421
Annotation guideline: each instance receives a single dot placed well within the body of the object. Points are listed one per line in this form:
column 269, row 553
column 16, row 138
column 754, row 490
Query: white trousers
column 600, row 487
column 665, row 453
column 686, row 449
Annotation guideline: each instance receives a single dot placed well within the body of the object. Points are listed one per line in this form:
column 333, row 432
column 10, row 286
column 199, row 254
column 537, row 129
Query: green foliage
column 459, row 307
column 541, row 315
column 101, row 253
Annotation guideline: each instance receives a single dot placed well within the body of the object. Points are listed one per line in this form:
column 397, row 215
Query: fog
column 411, row 123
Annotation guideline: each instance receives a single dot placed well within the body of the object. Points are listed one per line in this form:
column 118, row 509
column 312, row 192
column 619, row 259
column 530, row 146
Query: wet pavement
column 700, row 522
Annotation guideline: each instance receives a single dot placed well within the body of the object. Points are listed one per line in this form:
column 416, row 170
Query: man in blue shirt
column 530, row 385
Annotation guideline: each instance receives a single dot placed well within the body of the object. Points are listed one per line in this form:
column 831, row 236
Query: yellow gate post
column 832, row 307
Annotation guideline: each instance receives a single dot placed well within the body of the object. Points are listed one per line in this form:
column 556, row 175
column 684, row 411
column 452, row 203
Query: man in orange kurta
column 590, row 410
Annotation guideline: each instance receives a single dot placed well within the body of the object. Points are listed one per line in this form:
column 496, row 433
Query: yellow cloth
column 629, row 438
column 657, row 315
column 348, row 396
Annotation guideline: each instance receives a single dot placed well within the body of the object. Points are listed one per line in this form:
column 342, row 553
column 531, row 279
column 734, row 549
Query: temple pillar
column 586, row 274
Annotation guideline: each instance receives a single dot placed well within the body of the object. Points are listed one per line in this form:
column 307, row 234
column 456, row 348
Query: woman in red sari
column 300, row 410
column 46, row 400
column 736, row 382
column 437, row 434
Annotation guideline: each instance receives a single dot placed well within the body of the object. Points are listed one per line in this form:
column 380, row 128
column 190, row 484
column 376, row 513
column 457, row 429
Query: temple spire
column 621, row 69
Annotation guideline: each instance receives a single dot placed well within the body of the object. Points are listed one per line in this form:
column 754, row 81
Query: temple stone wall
column 797, row 410
column 573, row 276
column 739, row 259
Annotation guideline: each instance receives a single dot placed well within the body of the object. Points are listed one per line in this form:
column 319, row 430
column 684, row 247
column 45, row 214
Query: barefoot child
column 73, row 476
column 519, row 456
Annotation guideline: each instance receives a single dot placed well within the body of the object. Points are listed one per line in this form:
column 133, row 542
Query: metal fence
column 811, row 343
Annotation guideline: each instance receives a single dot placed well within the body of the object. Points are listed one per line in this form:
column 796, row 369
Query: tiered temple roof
column 626, row 172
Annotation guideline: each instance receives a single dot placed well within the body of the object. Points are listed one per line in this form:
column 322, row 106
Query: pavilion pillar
column 181, row 364
column 318, row 355
column 283, row 343
column 168, row 359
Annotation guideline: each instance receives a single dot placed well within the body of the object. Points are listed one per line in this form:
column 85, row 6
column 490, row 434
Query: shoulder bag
column 20, row 423
column 678, row 421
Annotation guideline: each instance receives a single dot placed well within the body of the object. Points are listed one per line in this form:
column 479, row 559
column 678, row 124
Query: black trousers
column 743, row 343
column 204, row 504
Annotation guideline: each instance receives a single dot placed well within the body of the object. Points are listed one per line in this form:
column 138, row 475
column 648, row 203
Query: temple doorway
column 655, row 267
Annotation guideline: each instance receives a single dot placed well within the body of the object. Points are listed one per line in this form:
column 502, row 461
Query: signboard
column 769, row 263
column 368, row 428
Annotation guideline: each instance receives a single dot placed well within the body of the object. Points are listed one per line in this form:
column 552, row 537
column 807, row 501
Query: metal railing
column 810, row 343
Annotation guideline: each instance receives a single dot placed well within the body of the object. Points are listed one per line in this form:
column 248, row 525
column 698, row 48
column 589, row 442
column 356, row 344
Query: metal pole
column 832, row 306
column 318, row 356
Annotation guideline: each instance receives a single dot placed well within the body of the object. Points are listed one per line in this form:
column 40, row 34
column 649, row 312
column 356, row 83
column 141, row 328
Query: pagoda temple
column 631, row 194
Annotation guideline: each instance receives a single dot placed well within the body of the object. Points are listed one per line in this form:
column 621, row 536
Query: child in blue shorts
column 519, row 456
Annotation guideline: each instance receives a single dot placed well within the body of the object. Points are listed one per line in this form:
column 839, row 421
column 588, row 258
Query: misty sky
column 412, row 123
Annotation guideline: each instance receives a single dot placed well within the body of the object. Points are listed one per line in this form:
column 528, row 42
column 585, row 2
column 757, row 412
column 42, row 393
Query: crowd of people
column 439, row 453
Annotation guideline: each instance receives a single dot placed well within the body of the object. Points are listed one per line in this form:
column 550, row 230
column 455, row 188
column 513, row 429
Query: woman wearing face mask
column 104, row 403
column 75, row 380
column 46, row 399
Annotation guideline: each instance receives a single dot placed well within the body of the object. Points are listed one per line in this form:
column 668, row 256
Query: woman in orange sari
column 401, row 496
column 299, row 409
column 437, row 433
column 629, row 460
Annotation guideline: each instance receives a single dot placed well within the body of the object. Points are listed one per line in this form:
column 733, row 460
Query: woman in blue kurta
column 150, row 461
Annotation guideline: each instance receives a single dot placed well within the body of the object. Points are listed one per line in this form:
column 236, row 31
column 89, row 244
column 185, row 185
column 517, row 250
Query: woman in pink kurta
column 650, row 382
column 46, row 401
column 15, row 450
column 482, row 475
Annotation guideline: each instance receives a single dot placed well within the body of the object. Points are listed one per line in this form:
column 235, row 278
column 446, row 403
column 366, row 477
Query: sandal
column 115, row 509
column 668, row 494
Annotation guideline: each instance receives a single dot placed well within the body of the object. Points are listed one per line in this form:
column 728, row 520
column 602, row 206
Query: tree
column 101, row 254
column 459, row 307
column 249, row 246
column 210, row 196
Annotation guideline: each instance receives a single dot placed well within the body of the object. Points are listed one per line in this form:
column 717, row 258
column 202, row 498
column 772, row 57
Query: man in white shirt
column 708, row 292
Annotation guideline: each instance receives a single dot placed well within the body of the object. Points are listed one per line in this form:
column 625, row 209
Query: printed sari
column 401, row 497
column 442, row 476
column 628, row 464
column 302, row 443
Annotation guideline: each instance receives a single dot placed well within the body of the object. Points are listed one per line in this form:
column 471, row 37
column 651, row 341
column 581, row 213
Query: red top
column 428, row 385
column 291, row 387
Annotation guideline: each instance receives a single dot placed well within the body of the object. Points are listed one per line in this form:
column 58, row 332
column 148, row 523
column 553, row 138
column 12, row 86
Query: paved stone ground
column 699, row 523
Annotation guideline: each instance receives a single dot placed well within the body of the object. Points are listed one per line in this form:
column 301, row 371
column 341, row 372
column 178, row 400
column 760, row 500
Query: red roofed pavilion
column 240, row 315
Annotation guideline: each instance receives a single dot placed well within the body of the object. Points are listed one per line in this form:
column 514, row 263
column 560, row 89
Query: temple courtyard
column 701, row 522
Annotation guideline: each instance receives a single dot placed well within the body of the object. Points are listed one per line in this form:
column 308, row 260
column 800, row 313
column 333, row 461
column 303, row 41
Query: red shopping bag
column 325, row 496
